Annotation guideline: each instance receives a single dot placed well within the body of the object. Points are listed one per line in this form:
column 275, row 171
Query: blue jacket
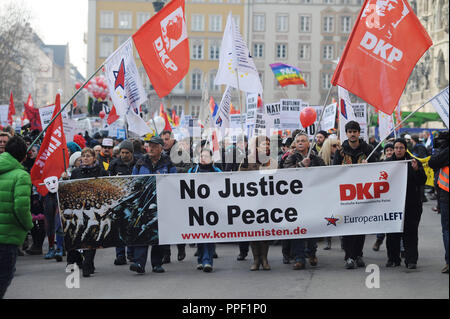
column 145, row 166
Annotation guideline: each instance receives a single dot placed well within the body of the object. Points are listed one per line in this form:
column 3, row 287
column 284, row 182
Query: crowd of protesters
column 99, row 156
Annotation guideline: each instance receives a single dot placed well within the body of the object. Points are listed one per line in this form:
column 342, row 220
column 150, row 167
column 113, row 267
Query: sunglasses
column 334, row 145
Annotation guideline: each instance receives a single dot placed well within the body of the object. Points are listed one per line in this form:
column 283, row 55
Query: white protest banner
column 281, row 204
column 329, row 117
column 235, row 129
column 272, row 114
column 360, row 110
column 252, row 107
column 290, row 114
column 4, row 115
column 440, row 103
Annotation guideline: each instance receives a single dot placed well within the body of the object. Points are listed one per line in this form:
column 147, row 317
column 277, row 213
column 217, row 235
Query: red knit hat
column 80, row 141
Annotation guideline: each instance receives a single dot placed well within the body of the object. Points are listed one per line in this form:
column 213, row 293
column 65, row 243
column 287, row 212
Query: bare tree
column 15, row 33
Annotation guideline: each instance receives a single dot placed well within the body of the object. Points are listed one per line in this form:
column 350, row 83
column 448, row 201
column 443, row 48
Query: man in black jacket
column 354, row 151
column 126, row 161
column 123, row 166
column 413, row 210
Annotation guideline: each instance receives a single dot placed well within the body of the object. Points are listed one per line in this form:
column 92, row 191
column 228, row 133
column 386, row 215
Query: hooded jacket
column 348, row 155
column 15, row 194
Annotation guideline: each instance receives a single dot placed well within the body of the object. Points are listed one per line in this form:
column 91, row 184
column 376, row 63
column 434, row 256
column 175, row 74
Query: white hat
column 74, row 158
column 407, row 137
column 108, row 142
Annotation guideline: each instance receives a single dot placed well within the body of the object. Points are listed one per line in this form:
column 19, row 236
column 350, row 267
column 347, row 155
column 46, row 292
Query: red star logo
column 331, row 220
column 120, row 76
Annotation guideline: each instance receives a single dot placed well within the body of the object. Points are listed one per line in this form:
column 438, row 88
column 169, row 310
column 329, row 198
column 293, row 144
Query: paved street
column 39, row 278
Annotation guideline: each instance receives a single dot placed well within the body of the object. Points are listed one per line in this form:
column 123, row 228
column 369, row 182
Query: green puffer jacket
column 15, row 192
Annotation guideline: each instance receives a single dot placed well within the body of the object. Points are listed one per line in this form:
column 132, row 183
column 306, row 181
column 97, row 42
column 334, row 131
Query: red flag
column 32, row 115
column 112, row 116
column 384, row 46
column 11, row 109
column 163, row 114
column 163, row 46
column 52, row 153
column 233, row 110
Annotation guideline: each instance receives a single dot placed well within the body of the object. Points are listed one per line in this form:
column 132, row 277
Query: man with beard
column 321, row 136
column 354, row 151
column 106, row 155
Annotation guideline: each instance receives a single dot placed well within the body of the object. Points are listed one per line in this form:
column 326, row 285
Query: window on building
column 346, row 24
column 196, row 81
column 214, row 50
column 198, row 22
column 141, row 18
column 328, row 52
column 328, row 24
column 195, row 110
column 304, row 51
column 197, row 50
column 258, row 50
column 305, row 23
column 106, row 19
column 215, row 23
column 326, row 80
column 125, row 20
column 259, row 22
column 106, row 45
column 282, row 23
column 281, row 51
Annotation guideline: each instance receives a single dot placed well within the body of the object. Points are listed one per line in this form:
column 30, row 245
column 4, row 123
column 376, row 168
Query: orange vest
column 443, row 178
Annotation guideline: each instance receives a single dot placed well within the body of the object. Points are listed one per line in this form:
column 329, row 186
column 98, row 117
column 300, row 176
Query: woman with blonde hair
column 329, row 148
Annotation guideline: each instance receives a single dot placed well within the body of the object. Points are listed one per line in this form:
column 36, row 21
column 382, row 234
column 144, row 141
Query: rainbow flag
column 287, row 75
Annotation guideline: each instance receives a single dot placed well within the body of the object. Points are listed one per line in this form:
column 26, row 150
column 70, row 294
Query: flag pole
column 320, row 120
column 62, row 109
column 240, row 102
column 397, row 126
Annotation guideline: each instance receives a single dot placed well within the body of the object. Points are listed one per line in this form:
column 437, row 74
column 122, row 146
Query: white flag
column 124, row 84
column 136, row 124
column 385, row 125
column 222, row 119
column 346, row 113
column 234, row 56
column 440, row 103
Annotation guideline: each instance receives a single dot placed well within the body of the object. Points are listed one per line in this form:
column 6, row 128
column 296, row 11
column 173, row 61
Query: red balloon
column 102, row 114
column 77, row 85
column 308, row 116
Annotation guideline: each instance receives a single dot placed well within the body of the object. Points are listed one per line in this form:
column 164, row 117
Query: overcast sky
column 60, row 22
